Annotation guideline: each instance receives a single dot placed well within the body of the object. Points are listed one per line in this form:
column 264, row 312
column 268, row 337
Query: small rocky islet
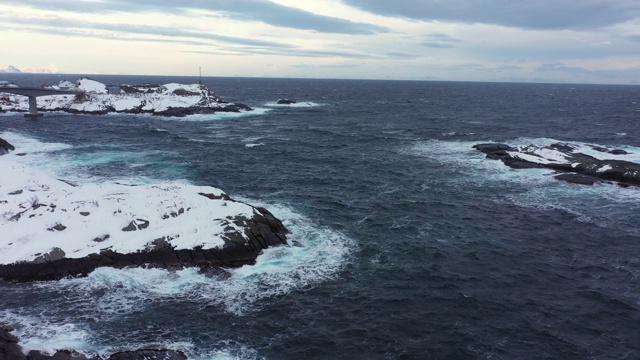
column 574, row 163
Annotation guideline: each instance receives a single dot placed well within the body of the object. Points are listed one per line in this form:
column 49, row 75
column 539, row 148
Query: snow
column 530, row 158
column 97, row 98
column 126, row 103
column 11, row 70
column 172, row 87
column 91, row 86
column 541, row 154
column 32, row 203
column 66, row 85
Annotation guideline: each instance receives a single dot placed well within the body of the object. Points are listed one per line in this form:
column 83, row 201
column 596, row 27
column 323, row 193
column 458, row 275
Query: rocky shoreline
column 10, row 349
column 578, row 164
column 262, row 231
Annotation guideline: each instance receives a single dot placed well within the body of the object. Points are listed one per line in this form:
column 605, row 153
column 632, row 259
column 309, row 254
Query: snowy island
column 575, row 163
column 52, row 228
column 96, row 98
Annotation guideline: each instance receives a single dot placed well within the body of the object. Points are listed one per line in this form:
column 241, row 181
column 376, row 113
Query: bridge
column 32, row 93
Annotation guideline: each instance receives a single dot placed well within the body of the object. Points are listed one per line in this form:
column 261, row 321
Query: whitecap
column 73, row 162
column 31, row 145
column 44, row 334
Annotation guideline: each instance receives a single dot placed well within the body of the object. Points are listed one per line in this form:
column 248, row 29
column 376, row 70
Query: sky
column 566, row 41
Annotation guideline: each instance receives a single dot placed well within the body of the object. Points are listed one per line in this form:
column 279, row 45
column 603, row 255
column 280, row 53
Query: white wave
column 299, row 104
column 231, row 351
column 219, row 116
column 42, row 334
column 42, row 155
column 11, row 113
column 38, row 332
column 320, row 255
column 252, row 139
column 455, row 133
column 63, row 161
column 30, row 145
column 253, row 145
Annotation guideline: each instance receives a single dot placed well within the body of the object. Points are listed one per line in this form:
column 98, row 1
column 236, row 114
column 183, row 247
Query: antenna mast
column 200, row 80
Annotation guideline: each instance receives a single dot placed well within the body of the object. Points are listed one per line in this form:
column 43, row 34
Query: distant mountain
column 11, row 70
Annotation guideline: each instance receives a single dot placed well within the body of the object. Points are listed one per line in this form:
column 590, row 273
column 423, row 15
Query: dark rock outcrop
column 59, row 355
column 9, row 348
column 262, row 230
column 179, row 112
column 285, row 102
column 579, row 179
column 5, row 147
column 149, row 355
column 574, row 166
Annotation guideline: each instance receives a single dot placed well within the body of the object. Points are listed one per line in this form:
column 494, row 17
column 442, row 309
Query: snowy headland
column 97, row 98
column 52, row 228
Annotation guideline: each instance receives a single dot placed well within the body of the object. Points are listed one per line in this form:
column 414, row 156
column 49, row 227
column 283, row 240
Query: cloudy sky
column 577, row 41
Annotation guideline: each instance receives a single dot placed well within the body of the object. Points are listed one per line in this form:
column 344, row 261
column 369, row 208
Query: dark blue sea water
column 415, row 245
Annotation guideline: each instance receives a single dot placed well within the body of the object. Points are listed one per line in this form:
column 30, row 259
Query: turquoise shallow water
column 415, row 246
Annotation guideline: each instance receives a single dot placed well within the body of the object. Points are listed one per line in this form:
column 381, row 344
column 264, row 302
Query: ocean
column 414, row 246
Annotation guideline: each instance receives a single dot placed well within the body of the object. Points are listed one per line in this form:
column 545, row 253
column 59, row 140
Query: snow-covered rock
column 588, row 163
column 91, row 86
column 51, row 228
column 11, row 70
column 94, row 98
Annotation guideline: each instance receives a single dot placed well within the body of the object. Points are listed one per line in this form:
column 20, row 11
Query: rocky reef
column 575, row 163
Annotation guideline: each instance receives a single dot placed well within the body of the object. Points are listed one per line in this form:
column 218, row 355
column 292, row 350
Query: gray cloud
column 328, row 66
column 400, row 55
column 289, row 52
column 106, row 36
column 534, row 14
column 439, row 40
column 253, row 10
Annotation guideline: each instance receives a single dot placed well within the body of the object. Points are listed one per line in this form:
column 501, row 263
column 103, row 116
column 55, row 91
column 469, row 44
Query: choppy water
column 415, row 246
